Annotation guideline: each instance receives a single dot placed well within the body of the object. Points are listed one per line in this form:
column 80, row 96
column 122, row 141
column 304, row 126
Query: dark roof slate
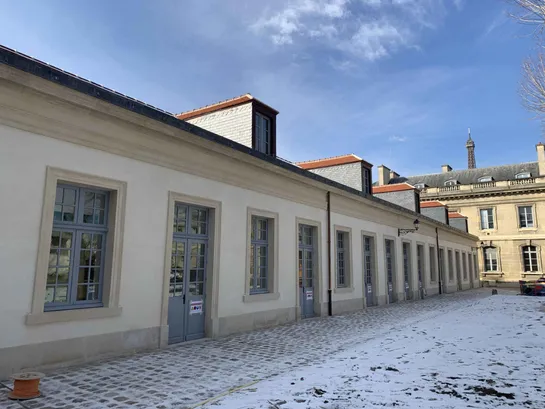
column 469, row 176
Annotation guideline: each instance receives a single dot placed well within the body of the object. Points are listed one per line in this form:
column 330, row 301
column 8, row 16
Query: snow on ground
column 488, row 355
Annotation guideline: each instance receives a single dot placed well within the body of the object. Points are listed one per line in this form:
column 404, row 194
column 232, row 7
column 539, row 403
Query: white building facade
column 124, row 228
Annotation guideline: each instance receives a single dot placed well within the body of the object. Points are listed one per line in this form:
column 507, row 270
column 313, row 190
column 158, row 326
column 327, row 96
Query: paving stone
column 189, row 373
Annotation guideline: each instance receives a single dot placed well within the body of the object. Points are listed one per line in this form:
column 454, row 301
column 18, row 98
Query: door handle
column 183, row 299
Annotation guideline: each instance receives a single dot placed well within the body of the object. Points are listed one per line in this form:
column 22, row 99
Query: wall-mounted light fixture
column 402, row 232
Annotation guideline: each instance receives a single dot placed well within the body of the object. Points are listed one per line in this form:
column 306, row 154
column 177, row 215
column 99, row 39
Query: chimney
column 383, row 175
column 393, row 175
column 446, row 169
column 541, row 158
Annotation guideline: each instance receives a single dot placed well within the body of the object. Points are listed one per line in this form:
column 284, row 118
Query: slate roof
column 469, row 176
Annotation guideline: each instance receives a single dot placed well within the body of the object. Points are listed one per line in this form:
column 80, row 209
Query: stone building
column 125, row 227
column 504, row 207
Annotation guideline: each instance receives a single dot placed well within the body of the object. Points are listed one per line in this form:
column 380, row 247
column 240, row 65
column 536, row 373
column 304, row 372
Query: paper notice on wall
column 195, row 307
column 309, row 295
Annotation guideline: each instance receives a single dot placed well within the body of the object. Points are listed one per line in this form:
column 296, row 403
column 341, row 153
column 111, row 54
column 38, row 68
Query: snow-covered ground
column 487, row 355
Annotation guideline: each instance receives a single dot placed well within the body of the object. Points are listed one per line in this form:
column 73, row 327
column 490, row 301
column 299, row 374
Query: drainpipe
column 439, row 262
column 329, row 290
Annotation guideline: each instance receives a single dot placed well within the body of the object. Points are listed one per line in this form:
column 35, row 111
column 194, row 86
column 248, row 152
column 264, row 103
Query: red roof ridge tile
column 456, row 215
column 231, row 102
column 432, row 203
column 394, row 187
column 331, row 161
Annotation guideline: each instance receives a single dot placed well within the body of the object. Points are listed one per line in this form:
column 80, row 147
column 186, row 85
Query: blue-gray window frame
column 450, row 260
column 433, row 263
column 419, row 262
column 367, row 180
column 78, row 228
column 368, row 259
column 263, row 134
column 343, row 254
column 407, row 262
column 187, row 231
column 389, row 255
column 256, row 243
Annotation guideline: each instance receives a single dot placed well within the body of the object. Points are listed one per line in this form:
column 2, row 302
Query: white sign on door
column 195, row 307
column 309, row 295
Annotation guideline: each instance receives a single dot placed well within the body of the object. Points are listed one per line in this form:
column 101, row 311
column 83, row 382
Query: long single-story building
column 126, row 228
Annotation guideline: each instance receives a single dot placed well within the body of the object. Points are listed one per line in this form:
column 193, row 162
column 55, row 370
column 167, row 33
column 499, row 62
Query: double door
column 407, row 270
column 368, row 271
column 306, row 271
column 187, row 287
column 390, row 268
column 187, row 290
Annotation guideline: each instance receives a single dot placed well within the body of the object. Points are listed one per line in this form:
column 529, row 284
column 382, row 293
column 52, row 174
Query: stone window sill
column 71, row 315
column 260, row 297
column 343, row 290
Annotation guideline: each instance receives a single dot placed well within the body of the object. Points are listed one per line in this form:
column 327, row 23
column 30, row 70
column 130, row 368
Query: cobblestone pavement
column 187, row 374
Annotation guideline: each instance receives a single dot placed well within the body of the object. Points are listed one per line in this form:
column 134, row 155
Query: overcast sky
column 397, row 82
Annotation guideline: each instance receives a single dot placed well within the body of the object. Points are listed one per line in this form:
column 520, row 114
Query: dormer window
column 485, row 179
column 451, row 182
column 523, row 175
column 420, row 186
column 262, row 134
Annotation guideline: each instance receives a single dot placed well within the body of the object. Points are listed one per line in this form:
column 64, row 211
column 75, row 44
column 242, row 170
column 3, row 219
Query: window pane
column 61, row 294
column 89, row 199
column 55, row 239
column 68, row 213
column 57, row 215
column 62, row 275
column 82, row 293
column 69, row 197
column 51, row 275
column 96, row 258
column 98, row 217
column 100, row 201
column 49, row 294
column 66, row 240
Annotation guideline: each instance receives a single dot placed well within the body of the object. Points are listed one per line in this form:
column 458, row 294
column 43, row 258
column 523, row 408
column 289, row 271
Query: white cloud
column 295, row 17
column 366, row 29
column 375, row 40
column 396, row 138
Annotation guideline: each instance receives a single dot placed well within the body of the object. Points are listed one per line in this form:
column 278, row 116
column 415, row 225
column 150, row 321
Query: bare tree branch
column 532, row 88
column 531, row 12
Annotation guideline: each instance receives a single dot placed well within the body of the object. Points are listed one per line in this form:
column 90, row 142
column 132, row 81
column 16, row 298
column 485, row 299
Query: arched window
column 484, row 179
column 529, row 257
column 490, row 259
column 523, row 175
column 451, row 182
